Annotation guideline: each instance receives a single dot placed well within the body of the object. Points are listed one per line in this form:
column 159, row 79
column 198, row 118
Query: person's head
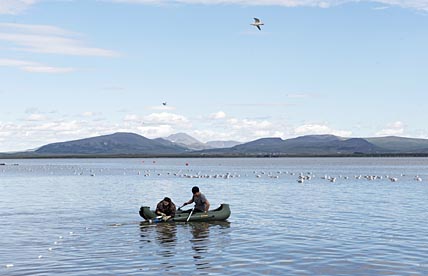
column 166, row 201
column 195, row 190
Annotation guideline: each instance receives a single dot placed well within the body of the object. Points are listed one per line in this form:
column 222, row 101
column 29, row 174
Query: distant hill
column 400, row 144
column 222, row 144
column 304, row 145
column 188, row 141
column 117, row 143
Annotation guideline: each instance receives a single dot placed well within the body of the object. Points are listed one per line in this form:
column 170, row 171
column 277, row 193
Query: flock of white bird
column 190, row 173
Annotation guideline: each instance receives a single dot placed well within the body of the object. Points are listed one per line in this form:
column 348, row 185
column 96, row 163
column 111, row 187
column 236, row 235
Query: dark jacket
column 167, row 210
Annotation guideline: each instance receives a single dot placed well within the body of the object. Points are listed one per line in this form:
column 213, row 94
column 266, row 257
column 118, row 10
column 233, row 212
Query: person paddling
column 201, row 202
column 166, row 208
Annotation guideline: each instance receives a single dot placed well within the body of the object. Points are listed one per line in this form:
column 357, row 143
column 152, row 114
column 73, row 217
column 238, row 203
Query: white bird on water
column 257, row 23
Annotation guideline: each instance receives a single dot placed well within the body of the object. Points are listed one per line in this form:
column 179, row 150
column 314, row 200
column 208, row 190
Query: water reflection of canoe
column 221, row 213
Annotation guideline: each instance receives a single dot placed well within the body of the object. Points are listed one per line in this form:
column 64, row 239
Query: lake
column 350, row 216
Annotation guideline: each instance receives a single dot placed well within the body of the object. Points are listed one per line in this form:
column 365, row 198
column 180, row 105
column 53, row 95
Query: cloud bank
column 414, row 4
column 394, row 129
column 15, row 6
column 48, row 39
column 37, row 128
column 18, row 6
column 34, row 67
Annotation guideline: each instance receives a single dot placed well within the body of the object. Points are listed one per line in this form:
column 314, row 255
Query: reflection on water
column 165, row 237
column 166, row 234
column 201, row 243
column 200, row 239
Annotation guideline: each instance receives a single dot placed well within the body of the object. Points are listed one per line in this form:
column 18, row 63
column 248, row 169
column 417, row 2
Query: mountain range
column 181, row 144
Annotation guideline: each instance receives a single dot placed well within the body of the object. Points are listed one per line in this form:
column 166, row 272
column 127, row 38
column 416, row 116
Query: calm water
column 80, row 217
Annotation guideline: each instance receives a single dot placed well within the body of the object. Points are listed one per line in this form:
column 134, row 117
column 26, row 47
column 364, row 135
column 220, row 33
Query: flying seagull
column 164, row 103
column 257, row 23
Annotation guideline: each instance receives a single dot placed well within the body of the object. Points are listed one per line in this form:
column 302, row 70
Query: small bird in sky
column 164, row 103
column 257, row 23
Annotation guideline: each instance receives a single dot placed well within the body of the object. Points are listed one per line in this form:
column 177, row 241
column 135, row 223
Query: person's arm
column 188, row 202
column 158, row 209
column 173, row 209
column 207, row 205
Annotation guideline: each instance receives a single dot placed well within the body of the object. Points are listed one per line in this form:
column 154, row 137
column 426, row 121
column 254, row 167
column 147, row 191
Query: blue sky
column 75, row 69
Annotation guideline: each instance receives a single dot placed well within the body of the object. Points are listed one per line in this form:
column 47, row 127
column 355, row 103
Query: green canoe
column 221, row 213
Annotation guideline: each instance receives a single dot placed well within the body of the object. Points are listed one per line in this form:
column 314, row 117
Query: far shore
column 190, row 155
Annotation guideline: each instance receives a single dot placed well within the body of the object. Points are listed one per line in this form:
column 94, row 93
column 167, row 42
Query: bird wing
column 258, row 27
column 256, row 20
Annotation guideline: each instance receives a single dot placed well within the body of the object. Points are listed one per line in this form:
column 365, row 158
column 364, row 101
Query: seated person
column 201, row 202
column 166, row 208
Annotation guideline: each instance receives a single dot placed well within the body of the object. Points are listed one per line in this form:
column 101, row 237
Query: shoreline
column 113, row 156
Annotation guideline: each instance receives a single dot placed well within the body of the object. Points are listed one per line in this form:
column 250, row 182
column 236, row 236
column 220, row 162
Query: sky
column 75, row 69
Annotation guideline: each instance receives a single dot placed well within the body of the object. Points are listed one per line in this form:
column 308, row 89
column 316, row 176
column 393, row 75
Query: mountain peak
column 186, row 140
column 182, row 138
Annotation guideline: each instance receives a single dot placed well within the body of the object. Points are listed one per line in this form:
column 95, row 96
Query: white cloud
column 88, row 114
column 415, row 4
column 166, row 118
column 131, row 118
column 395, row 128
column 15, row 6
column 33, row 133
column 162, row 107
column 156, row 131
column 249, row 124
column 311, row 129
column 156, row 124
column 67, row 127
column 239, row 130
column 35, row 29
column 48, row 40
column 218, row 115
column 34, row 67
column 381, row 8
column 212, row 135
column 36, row 117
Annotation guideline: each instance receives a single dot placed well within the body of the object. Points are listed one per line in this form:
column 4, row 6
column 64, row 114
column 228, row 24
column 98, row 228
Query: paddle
column 179, row 208
column 191, row 212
